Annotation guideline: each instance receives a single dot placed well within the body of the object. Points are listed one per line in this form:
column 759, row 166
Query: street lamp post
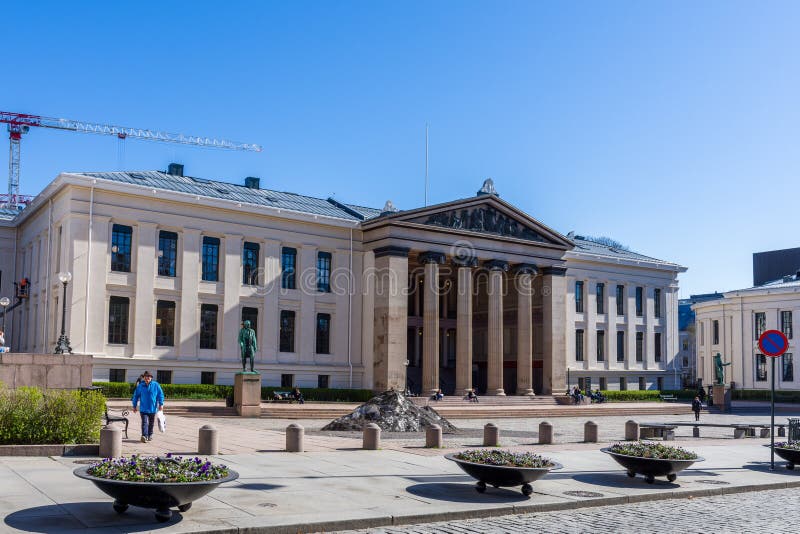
column 4, row 302
column 63, row 341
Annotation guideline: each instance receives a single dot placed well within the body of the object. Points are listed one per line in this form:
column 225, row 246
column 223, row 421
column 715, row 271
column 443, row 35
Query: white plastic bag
column 162, row 421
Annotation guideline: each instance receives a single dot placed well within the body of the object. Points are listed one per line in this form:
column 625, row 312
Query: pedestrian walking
column 696, row 407
column 148, row 398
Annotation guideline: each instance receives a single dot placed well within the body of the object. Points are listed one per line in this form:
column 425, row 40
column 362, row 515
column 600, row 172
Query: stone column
column 190, row 305
column 495, row 327
column 231, row 313
column 524, row 286
column 554, row 290
column 464, row 325
column 390, row 279
column 430, row 321
column 144, row 303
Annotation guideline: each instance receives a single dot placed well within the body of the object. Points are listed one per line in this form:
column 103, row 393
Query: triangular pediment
column 486, row 215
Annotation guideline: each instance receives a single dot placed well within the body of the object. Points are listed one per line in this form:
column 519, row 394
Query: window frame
column 204, row 377
column 759, row 323
column 786, row 326
column 250, row 313
column 785, row 367
column 164, row 376
column 620, row 296
column 657, row 303
column 208, row 336
column 657, row 339
column 578, row 296
column 600, row 339
column 579, row 345
column 322, row 338
column 124, row 326
column 324, row 270
column 639, row 298
column 209, row 258
column 621, row 346
column 287, row 331
column 715, row 332
column 323, row 381
column 288, row 268
column 167, row 253
column 114, row 375
column 125, row 233
column 639, row 347
column 761, row 368
column 600, row 292
column 251, row 256
column 162, row 338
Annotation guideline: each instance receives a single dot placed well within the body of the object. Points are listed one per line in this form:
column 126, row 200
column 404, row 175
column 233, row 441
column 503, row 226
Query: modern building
column 775, row 264
column 686, row 362
column 732, row 325
column 468, row 293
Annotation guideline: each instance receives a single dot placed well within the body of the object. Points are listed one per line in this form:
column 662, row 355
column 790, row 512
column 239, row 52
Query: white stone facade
column 69, row 227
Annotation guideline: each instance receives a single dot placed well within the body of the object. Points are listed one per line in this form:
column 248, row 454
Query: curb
column 87, row 449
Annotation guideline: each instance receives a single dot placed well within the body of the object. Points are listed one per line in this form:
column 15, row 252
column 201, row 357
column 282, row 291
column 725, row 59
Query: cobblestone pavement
column 762, row 511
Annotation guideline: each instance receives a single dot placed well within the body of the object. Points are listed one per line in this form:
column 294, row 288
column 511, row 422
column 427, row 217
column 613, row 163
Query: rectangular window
column 287, row 381
column 657, row 302
column 250, row 263
column 579, row 345
column 579, row 296
column 118, row 309
column 208, row 326
column 660, row 383
column 715, row 332
column 657, row 346
column 761, row 368
column 120, row 248
column 287, row 331
column 601, row 345
column 164, row 377
column 208, row 377
column 620, row 300
column 788, row 367
column 167, row 253
column 165, row 323
column 251, row 314
column 324, row 272
column 288, row 268
column 210, row 259
column 786, row 324
column 587, row 383
column 623, row 383
column 323, row 333
column 603, row 384
column 116, row 375
column 323, row 381
column 600, row 291
column 760, row 319
column 620, row 346
column 639, row 346
column 582, row 384
column 702, row 333
column 639, row 301
column 642, row 383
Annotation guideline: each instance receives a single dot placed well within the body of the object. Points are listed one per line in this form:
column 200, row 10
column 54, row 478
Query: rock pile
column 393, row 413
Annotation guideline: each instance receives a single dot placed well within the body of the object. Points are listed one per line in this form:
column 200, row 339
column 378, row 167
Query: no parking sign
column 772, row 343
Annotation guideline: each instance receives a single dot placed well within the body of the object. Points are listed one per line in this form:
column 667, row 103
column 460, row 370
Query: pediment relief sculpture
column 486, row 220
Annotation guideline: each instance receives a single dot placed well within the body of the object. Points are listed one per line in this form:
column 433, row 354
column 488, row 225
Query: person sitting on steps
column 471, row 395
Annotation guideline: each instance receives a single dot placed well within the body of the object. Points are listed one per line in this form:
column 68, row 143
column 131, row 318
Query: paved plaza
column 336, row 486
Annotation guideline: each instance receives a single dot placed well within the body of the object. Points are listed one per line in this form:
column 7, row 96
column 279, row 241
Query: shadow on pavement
column 465, row 493
column 780, row 467
column 622, row 480
column 77, row 516
column 257, row 486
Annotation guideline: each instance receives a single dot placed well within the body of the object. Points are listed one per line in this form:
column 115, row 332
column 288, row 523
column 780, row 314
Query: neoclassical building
column 469, row 293
column 731, row 326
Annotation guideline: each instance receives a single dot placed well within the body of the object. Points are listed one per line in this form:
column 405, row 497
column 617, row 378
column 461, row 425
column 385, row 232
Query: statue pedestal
column 722, row 397
column 247, row 394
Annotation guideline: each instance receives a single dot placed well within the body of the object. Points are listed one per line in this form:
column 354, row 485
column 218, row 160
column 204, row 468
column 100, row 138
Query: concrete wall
column 46, row 370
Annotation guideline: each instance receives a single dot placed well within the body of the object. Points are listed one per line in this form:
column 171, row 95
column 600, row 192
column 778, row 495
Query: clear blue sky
column 670, row 126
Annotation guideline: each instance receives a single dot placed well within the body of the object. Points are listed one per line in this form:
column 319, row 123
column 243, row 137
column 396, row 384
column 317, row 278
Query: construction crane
column 20, row 123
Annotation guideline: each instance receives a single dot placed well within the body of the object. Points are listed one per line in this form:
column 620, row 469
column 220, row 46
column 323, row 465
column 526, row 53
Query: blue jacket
column 149, row 397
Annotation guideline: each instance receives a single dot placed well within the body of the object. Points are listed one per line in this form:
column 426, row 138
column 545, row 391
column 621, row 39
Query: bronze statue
column 719, row 369
column 248, row 345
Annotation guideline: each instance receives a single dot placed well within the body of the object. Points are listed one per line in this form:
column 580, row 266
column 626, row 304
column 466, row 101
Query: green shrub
column 633, row 395
column 32, row 416
column 211, row 391
column 786, row 395
column 681, row 394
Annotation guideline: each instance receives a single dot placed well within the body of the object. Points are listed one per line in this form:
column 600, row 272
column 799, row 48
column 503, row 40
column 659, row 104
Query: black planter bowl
column 159, row 495
column 792, row 456
column 651, row 467
column 502, row 476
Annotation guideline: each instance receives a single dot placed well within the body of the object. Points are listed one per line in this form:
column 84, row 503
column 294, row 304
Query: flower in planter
column 504, row 458
column 158, row 469
column 658, row 451
column 786, row 445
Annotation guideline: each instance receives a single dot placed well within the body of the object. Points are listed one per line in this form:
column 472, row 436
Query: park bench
column 122, row 418
column 740, row 430
column 657, row 430
column 281, row 396
column 668, row 398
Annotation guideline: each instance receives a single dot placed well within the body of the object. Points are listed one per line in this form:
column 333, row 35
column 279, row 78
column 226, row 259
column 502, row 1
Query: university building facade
column 468, row 293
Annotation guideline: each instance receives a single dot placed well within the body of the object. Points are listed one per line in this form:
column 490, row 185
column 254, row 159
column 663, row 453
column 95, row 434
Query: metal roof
column 786, row 282
column 237, row 193
column 8, row 214
column 587, row 246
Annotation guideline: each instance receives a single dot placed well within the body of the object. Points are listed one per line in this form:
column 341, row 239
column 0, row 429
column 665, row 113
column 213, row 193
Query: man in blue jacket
column 150, row 399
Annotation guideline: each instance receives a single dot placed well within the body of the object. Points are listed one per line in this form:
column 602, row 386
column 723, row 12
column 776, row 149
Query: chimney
column 252, row 182
column 175, row 169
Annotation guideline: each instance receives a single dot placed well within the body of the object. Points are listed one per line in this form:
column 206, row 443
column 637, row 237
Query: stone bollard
column 207, row 441
column 763, row 433
column 781, row 432
column 696, row 432
column 491, row 435
column 294, row 438
column 372, row 437
column 433, row 437
column 545, row 433
column 631, row 430
column 110, row 442
column 590, row 432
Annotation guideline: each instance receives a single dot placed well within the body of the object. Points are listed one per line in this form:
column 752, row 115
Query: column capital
column 554, row 271
column 391, row 250
column 465, row 261
column 431, row 257
column 525, row 268
column 496, row 265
